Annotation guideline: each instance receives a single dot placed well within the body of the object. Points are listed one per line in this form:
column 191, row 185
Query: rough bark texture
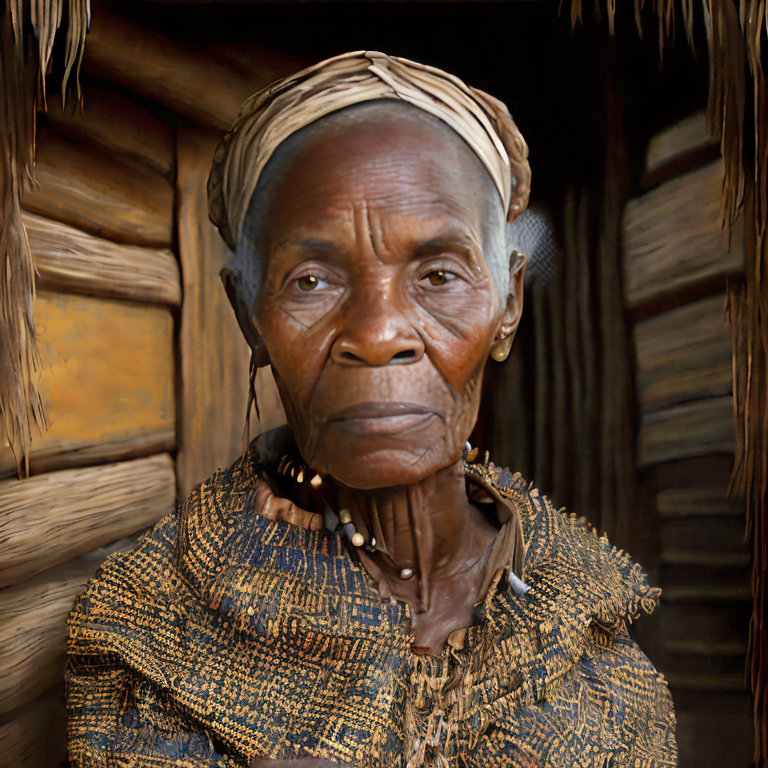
column 69, row 259
column 27, row 32
column 50, row 519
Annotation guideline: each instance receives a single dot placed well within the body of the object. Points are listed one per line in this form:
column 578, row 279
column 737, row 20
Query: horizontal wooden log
column 685, row 136
column 35, row 735
column 706, row 647
column 57, row 455
column 73, row 260
column 119, row 125
column 705, row 559
column 22, row 741
column 673, row 238
column 107, row 378
column 33, row 629
column 52, row 518
column 698, row 502
column 696, row 594
column 701, row 663
column 81, row 185
column 188, row 80
column 684, row 354
column 696, row 534
column 692, row 429
column 726, row 622
column 707, row 683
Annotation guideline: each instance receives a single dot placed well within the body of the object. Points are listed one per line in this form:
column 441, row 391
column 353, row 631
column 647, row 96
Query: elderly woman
column 359, row 589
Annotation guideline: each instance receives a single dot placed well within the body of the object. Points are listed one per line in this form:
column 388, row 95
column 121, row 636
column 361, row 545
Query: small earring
column 501, row 349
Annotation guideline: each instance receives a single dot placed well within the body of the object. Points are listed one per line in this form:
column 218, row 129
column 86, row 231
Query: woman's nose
column 377, row 332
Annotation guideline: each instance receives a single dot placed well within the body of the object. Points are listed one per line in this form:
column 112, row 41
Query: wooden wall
column 100, row 225
column 145, row 374
column 214, row 355
column 677, row 259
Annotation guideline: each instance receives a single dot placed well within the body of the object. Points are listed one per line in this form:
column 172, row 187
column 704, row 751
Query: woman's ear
column 242, row 305
column 513, row 310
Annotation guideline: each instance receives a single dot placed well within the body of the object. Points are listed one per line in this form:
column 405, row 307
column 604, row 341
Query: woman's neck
column 420, row 537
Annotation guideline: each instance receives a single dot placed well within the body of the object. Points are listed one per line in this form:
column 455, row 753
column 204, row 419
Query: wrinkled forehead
column 372, row 150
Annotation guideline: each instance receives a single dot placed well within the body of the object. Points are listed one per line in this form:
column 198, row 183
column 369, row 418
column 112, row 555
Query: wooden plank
column 22, row 741
column 705, row 559
column 35, row 735
column 692, row 429
column 121, row 126
column 214, row 354
column 700, row 501
column 107, row 378
column 727, row 593
column 684, row 354
column 713, row 683
column 710, row 534
column 187, row 79
column 706, row 647
column 33, row 629
column 57, row 455
column 82, row 186
column 52, row 518
column 70, row 259
column 725, row 622
column 673, row 237
column 681, row 138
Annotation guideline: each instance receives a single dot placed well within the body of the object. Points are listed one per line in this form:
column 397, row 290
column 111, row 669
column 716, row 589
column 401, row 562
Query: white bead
column 406, row 573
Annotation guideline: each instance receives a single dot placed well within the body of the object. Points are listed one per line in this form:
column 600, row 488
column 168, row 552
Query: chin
column 385, row 468
column 368, row 461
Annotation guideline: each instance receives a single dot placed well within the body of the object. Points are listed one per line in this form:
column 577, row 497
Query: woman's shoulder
column 231, row 547
column 568, row 565
column 583, row 595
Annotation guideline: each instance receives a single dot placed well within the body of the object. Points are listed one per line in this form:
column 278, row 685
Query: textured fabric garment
column 274, row 113
column 234, row 635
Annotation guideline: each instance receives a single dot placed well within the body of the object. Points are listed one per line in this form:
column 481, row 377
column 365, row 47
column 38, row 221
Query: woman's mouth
column 383, row 418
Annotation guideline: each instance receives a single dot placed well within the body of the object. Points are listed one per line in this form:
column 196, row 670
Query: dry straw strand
column 23, row 64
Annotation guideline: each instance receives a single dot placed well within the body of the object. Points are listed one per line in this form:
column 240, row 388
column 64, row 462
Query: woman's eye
column 308, row 282
column 439, row 277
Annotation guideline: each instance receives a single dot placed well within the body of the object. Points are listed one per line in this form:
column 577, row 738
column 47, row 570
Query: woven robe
column 224, row 634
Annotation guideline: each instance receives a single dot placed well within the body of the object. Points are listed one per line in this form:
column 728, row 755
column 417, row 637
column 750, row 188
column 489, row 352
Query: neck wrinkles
column 429, row 527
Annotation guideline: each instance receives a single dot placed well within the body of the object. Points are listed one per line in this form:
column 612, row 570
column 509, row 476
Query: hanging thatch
column 735, row 30
column 27, row 32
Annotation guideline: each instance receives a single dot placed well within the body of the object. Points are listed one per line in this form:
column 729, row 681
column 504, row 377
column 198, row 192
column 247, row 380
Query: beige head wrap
column 272, row 115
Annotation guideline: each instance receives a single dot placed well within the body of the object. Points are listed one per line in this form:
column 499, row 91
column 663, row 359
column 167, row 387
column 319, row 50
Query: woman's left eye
column 308, row 282
column 439, row 277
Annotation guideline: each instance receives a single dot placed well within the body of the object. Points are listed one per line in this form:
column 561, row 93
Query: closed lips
column 384, row 418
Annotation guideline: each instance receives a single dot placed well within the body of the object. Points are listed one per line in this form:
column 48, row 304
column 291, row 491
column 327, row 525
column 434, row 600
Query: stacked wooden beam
column 677, row 261
column 109, row 226
column 144, row 393
column 100, row 223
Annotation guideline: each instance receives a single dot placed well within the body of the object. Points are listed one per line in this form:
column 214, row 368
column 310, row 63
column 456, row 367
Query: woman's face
column 377, row 307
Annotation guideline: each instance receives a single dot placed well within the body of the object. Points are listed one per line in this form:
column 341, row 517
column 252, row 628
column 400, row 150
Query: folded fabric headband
column 272, row 115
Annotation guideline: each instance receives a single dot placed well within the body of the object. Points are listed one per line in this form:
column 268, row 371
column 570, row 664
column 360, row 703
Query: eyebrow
column 452, row 241
column 456, row 241
column 318, row 246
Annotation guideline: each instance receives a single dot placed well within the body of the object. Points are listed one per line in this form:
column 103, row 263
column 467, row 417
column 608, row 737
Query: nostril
column 350, row 357
column 406, row 354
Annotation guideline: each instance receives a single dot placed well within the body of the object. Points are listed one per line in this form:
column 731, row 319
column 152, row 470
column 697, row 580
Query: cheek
column 458, row 346
column 297, row 356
